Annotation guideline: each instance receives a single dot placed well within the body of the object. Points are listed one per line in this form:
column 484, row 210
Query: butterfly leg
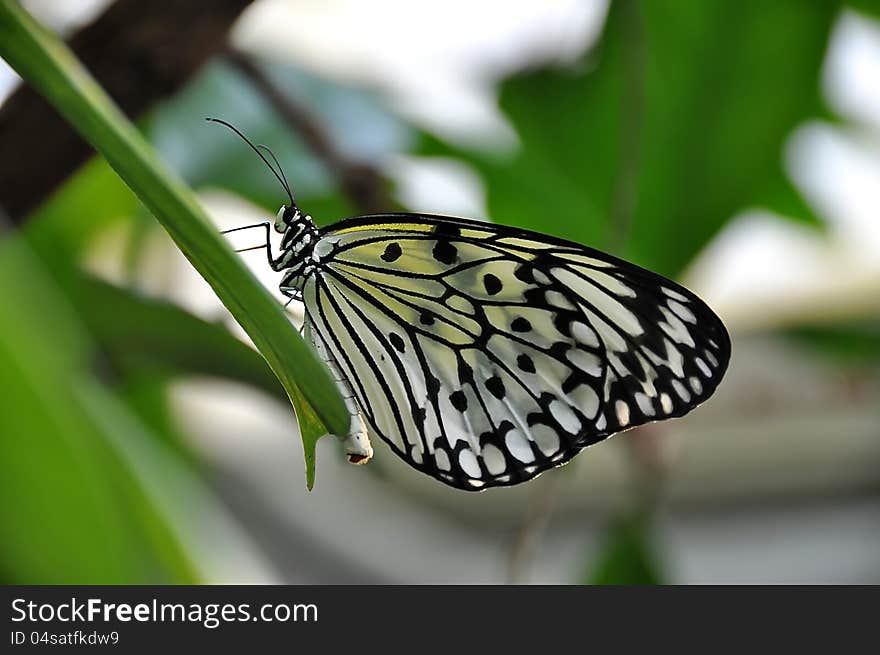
column 357, row 443
column 275, row 263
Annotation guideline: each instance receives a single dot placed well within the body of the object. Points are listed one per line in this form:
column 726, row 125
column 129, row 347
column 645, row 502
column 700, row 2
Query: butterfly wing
column 484, row 355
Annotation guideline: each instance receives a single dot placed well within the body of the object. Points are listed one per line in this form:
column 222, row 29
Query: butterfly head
column 290, row 220
column 285, row 218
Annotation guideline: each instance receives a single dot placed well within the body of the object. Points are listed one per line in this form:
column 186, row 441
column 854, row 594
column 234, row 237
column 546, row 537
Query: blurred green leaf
column 209, row 155
column 145, row 392
column 627, row 555
column 675, row 122
column 869, row 7
column 853, row 344
column 139, row 333
column 51, row 68
column 86, row 204
column 75, row 510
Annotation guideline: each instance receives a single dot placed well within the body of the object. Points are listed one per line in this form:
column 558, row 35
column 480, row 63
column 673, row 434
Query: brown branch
column 140, row 51
column 361, row 183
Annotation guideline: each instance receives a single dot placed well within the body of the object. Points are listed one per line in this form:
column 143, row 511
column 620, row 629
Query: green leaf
column 44, row 62
column 76, row 510
column 311, row 430
column 86, row 204
column 211, row 156
column 853, row 344
column 869, row 7
column 674, row 123
column 145, row 391
column 136, row 332
column 627, row 556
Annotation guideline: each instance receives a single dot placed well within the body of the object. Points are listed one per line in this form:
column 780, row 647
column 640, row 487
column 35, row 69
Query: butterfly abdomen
column 356, row 443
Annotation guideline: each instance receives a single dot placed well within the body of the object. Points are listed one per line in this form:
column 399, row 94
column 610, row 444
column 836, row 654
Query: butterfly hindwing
column 484, row 355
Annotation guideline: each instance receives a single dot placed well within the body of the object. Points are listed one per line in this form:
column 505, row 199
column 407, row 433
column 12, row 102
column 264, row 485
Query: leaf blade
column 44, row 62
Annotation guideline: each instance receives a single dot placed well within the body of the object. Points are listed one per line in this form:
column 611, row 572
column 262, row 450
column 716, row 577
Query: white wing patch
column 485, row 355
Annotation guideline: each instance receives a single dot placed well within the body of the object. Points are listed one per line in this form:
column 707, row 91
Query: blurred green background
column 732, row 145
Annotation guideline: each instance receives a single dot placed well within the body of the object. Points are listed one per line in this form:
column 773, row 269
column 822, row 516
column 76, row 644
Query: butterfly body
column 484, row 355
column 297, row 259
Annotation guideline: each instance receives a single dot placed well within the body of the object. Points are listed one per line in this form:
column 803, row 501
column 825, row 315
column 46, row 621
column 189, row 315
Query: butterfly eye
column 280, row 225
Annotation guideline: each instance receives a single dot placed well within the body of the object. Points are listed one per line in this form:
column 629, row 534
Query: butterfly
column 484, row 355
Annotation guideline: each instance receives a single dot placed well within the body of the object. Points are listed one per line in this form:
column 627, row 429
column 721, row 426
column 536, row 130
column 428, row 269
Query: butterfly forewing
column 485, row 355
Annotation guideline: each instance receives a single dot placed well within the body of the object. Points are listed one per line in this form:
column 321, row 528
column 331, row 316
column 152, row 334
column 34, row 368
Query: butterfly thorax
column 298, row 258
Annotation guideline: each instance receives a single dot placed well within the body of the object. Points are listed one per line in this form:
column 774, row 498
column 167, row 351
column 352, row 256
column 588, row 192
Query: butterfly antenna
column 278, row 165
column 280, row 178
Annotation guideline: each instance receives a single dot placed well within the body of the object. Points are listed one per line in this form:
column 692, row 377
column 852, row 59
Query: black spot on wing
column 525, row 363
column 392, row 252
column 458, row 400
column 432, row 384
column 397, row 341
column 492, row 284
column 520, row 324
column 447, row 230
column 445, row 253
column 524, row 273
column 495, row 386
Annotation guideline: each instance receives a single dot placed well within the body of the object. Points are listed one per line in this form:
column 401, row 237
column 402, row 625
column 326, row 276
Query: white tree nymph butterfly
column 484, row 354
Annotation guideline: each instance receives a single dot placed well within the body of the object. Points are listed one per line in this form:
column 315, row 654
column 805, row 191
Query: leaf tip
column 310, row 464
